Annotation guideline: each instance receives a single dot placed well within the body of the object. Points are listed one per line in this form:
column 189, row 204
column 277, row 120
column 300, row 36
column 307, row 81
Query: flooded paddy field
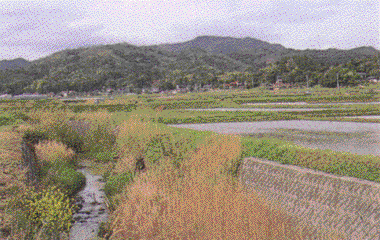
column 354, row 137
column 344, row 205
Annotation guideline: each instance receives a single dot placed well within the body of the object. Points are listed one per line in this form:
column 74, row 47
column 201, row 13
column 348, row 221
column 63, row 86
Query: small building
column 27, row 96
column 155, row 90
column 5, row 96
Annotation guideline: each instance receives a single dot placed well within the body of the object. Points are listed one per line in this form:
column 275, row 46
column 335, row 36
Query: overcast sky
column 32, row 29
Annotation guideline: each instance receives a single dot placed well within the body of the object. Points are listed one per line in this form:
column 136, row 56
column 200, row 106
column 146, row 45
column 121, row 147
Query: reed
column 198, row 198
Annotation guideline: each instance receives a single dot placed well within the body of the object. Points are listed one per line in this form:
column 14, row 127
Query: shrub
column 20, row 115
column 52, row 151
column 104, row 157
column 72, row 140
column 6, row 120
column 34, row 136
column 115, row 184
column 99, row 137
column 105, row 230
column 65, row 177
column 45, row 213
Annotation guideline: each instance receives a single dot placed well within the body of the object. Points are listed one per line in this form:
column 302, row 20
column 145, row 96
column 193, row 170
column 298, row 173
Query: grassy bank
column 161, row 182
column 171, row 183
column 43, row 210
column 187, row 188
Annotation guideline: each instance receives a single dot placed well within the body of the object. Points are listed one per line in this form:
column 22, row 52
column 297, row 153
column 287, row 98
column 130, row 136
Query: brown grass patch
column 52, row 151
column 197, row 201
column 12, row 177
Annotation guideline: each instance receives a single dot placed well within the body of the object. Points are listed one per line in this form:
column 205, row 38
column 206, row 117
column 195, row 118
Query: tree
column 166, row 85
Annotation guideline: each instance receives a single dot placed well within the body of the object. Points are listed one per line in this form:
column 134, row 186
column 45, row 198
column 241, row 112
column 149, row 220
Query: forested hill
column 203, row 60
column 223, row 45
column 12, row 64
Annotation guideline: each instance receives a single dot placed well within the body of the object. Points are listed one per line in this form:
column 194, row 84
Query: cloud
column 354, row 26
column 43, row 27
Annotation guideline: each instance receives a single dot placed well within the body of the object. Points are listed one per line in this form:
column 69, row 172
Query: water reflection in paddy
column 258, row 109
column 354, row 137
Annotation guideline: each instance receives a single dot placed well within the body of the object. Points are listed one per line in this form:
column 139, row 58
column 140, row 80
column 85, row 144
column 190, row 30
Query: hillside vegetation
column 219, row 61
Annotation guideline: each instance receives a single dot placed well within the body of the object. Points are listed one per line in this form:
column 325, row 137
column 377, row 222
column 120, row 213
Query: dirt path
column 336, row 204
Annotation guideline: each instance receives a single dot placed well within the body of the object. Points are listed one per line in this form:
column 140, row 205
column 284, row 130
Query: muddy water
column 92, row 211
column 354, row 137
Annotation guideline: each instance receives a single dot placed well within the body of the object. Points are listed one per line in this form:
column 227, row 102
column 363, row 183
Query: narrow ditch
column 92, row 208
column 90, row 200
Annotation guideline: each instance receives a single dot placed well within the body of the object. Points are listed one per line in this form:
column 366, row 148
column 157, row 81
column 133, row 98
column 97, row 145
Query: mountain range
column 125, row 62
column 245, row 50
column 12, row 64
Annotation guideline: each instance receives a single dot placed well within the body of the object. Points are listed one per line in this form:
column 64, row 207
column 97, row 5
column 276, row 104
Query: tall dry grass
column 197, row 200
column 53, row 151
column 100, row 135
column 12, row 177
column 51, row 120
column 133, row 139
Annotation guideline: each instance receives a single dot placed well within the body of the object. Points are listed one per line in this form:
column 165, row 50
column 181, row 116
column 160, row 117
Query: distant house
column 5, row 96
column 155, row 90
column 27, row 96
column 183, row 90
column 109, row 91
column 207, row 87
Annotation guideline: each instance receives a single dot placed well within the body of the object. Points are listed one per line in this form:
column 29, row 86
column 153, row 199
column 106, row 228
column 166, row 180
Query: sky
column 32, row 29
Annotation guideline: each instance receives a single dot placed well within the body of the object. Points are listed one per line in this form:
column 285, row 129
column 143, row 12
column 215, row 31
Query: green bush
column 104, row 157
column 105, row 230
column 70, row 138
column 6, row 120
column 44, row 215
column 65, row 177
column 34, row 136
column 114, row 184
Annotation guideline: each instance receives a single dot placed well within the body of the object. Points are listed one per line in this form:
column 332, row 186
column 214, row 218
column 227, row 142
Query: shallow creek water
column 354, row 137
column 92, row 211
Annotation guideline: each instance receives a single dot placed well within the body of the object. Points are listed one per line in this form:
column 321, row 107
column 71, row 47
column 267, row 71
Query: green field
column 180, row 164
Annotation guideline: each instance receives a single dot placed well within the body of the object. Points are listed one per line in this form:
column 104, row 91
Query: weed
column 45, row 213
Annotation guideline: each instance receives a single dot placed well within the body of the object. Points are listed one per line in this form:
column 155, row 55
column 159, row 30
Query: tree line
column 137, row 71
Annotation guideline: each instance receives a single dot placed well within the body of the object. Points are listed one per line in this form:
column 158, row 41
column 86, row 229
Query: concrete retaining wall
column 335, row 204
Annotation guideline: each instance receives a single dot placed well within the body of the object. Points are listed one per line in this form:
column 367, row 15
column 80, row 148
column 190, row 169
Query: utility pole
column 307, row 79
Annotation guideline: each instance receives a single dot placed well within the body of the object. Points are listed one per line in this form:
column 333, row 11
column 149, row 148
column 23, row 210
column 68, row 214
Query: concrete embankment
column 328, row 202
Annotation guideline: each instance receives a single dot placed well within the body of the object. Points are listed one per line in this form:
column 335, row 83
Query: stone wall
column 330, row 203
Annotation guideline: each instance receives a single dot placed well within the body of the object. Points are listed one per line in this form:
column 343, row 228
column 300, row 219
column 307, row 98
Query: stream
column 92, row 210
